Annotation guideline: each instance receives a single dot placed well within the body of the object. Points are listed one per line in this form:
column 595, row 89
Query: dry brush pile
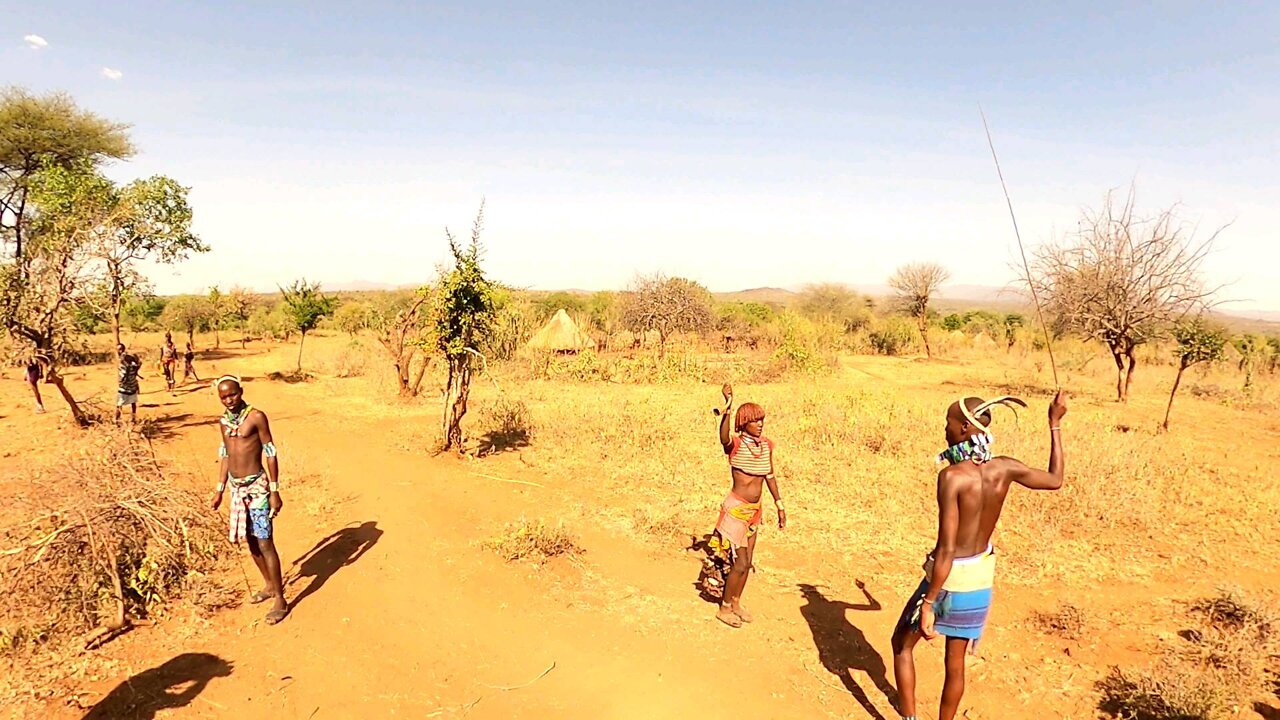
column 97, row 541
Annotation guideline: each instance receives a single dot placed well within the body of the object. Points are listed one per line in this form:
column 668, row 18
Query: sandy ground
column 398, row 611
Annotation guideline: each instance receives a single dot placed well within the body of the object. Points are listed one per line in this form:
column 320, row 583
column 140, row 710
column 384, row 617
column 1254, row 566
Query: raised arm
column 726, row 417
column 1035, row 478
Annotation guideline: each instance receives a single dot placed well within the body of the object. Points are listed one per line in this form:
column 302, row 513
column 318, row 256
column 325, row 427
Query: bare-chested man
column 255, row 488
column 955, row 595
column 169, row 361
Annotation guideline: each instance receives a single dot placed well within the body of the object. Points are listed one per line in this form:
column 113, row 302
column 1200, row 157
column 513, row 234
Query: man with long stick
column 955, row 595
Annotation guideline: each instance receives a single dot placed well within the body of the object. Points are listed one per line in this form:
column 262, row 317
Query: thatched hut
column 561, row 334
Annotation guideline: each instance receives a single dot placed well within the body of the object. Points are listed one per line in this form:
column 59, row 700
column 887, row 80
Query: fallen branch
column 505, row 480
column 504, row 688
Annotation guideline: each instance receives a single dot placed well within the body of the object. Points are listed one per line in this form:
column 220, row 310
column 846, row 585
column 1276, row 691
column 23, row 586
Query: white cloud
column 111, row 73
column 35, row 42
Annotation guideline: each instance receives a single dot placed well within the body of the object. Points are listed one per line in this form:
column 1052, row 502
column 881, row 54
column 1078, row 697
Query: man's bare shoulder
column 955, row 477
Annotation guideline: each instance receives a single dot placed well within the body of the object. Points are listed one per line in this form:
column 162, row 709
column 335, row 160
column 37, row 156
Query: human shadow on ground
column 338, row 550
column 171, row 685
column 1266, row 711
column 843, row 647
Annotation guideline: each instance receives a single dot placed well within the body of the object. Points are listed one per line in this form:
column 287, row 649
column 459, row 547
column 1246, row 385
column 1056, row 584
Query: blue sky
column 741, row 144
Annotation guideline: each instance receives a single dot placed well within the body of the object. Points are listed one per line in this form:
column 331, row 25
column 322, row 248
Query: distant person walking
column 169, row 361
column 33, row 375
column 127, row 390
column 189, row 364
column 955, row 596
column 255, row 488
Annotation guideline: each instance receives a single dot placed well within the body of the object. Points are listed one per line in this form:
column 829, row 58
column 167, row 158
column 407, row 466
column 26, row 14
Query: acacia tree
column 836, row 303
column 1124, row 279
column 465, row 311
column 218, row 305
column 146, row 219
column 41, row 132
column 305, row 306
column 189, row 314
column 43, row 286
column 667, row 305
column 239, row 307
column 1198, row 342
column 915, row 284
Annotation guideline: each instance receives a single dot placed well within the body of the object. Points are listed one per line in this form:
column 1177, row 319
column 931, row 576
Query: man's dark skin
column 750, row 488
column 970, row 498
column 244, row 458
column 127, row 357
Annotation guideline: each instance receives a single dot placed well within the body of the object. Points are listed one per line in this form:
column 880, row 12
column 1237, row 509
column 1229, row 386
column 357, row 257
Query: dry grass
column 533, row 540
column 106, row 536
column 1230, row 657
column 1067, row 621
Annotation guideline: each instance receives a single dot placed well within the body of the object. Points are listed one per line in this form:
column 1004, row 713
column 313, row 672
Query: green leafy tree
column 1198, row 342
column 833, row 302
column 41, row 132
column 142, row 311
column 121, row 226
column 1013, row 322
column 305, row 306
column 218, row 305
column 465, row 313
column 189, row 314
column 352, row 317
column 1251, row 348
column 240, row 305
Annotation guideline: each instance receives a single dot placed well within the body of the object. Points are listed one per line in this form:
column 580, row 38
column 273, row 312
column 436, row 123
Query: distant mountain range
column 950, row 298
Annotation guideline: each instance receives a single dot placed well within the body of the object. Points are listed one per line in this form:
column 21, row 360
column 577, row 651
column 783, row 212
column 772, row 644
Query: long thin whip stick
column 1048, row 342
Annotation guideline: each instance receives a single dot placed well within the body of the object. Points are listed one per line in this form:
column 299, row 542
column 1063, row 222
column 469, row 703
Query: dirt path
column 398, row 610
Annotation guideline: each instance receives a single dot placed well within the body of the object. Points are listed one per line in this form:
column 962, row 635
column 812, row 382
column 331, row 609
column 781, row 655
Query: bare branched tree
column 915, row 285
column 667, row 305
column 1125, row 279
column 403, row 327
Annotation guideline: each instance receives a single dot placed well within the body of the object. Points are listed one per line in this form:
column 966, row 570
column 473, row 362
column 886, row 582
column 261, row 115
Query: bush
column 352, row 360
column 1228, row 660
column 533, row 540
column 893, row 336
column 507, row 424
column 109, row 537
column 1165, row 692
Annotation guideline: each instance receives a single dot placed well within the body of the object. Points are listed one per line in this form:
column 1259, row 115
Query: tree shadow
column 225, row 353
column 171, row 685
column 842, row 647
column 499, row 441
column 338, row 550
column 163, row 428
column 293, row 377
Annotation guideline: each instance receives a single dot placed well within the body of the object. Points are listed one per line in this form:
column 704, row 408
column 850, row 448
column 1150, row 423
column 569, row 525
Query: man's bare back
column 978, row 492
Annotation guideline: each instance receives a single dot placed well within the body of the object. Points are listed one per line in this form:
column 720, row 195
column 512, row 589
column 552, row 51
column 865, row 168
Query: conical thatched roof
column 561, row 334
